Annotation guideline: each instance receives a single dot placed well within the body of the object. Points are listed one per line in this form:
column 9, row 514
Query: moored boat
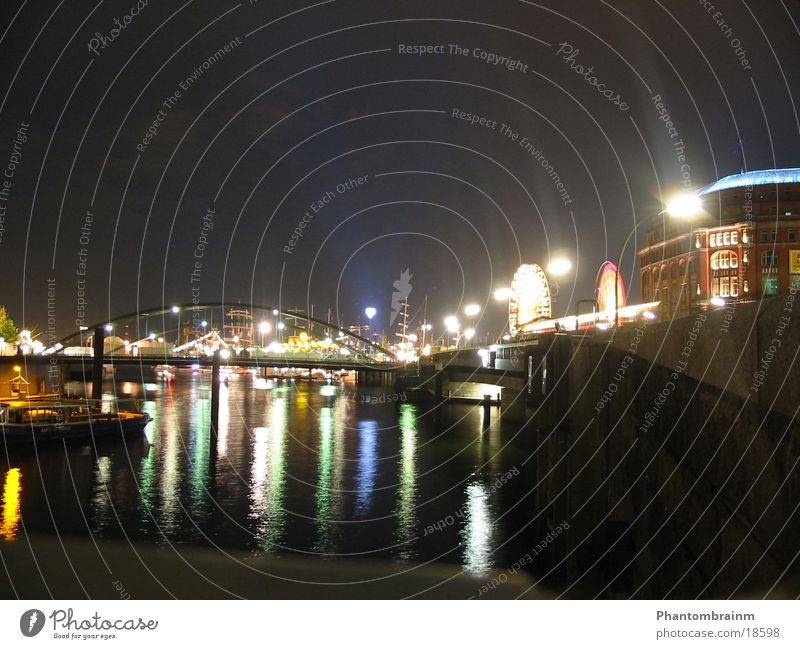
column 43, row 418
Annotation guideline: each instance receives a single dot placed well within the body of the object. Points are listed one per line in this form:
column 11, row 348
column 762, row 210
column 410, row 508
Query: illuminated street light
column 717, row 301
column 685, row 206
column 109, row 327
column 452, row 324
column 559, row 267
column 469, row 334
column 503, row 294
column 203, row 324
column 281, row 326
column 471, row 310
column 370, row 312
column 274, row 311
column 648, row 315
column 176, row 309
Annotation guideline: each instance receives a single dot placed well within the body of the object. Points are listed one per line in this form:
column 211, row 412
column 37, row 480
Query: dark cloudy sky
column 312, row 94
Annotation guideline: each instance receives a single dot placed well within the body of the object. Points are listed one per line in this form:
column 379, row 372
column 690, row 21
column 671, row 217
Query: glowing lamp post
column 453, row 326
column 264, row 328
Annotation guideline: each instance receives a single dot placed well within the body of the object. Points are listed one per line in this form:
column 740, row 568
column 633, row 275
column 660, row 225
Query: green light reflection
column 407, row 489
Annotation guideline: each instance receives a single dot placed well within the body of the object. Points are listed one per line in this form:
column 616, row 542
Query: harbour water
column 303, row 467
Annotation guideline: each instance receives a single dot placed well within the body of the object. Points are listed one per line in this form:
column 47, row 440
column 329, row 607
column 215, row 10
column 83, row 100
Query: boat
column 47, row 417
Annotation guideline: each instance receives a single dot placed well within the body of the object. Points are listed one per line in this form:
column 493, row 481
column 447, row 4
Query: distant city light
column 559, row 267
column 274, row 311
column 264, row 327
column 176, row 309
column 469, row 334
column 281, row 326
column 109, row 327
column 472, row 310
column 203, row 323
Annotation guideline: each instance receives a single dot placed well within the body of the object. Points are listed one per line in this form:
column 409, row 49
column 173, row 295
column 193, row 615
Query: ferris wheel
column 530, row 298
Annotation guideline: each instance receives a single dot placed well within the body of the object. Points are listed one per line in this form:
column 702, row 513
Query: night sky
column 203, row 132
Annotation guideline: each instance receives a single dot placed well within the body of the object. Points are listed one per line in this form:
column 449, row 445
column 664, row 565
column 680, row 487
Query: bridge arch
column 291, row 319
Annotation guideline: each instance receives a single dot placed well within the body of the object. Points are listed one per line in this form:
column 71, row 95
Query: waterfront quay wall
column 675, row 465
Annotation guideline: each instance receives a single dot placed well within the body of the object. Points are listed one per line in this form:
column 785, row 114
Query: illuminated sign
column 794, row 262
column 530, row 298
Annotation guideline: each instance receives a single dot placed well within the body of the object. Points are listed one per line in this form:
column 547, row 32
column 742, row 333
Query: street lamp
column 453, row 326
column 425, row 328
column 176, row 310
column 471, row 310
column 264, row 328
column 684, row 206
column 504, row 295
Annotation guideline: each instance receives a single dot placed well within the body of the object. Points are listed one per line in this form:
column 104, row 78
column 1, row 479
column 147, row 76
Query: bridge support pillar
column 98, row 346
column 513, row 405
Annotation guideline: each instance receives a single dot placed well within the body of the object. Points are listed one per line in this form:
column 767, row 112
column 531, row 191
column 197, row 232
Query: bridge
column 202, row 335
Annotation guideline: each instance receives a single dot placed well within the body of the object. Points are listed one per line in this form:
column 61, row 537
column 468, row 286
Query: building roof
column 752, row 179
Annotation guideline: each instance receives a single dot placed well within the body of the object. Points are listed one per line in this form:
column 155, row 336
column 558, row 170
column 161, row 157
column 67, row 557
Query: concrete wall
column 677, row 472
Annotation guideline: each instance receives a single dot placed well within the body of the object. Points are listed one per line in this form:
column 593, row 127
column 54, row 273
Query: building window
column 774, row 236
column 792, row 235
column 734, row 286
column 771, row 285
column 734, row 237
column 769, row 259
column 724, row 259
column 764, row 236
column 715, row 287
column 712, row 242
column 724, row 286
column 726, row 238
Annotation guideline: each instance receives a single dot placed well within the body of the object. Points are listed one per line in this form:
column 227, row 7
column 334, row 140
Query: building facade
column 744, row 244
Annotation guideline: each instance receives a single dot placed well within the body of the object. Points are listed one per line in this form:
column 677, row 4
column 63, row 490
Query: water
column 298, row 467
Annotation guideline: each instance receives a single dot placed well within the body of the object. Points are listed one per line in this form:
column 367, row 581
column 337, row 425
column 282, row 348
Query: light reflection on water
column 302, row 466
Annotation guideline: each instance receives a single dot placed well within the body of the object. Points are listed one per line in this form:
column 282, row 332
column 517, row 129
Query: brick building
column 744, row 243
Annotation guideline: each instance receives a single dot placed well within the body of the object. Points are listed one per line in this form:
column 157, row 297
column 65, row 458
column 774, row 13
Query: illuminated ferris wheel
column 530, row 298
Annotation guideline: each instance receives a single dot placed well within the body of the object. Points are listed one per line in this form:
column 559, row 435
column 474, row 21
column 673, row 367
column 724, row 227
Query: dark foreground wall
column 676, row 464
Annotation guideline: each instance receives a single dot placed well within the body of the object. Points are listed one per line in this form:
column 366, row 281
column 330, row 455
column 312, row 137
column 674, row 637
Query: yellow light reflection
column 101, row 499
column 12, row 501
column 324, row 494
column 268, row 478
